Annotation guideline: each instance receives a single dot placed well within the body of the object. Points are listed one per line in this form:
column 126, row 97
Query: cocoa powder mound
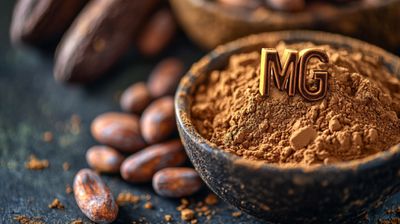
column 358, row 117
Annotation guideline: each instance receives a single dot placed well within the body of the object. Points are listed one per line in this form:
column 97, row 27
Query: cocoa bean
column 176, row 182
column 157, row 33
column 165, row 77
column 118, row 130
column 141, row 166
column 104, row 159
column 158, row 120
column 94, row 198
column 135, row 98
column 99, row 36
column 39, row 22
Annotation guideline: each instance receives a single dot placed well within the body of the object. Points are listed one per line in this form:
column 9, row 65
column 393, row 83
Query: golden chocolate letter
column 284, row 78
column 320, row 75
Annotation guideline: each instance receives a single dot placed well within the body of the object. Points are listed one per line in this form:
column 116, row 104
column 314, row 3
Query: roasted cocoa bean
column 39, row 22
column 165, row 77
column 158, row 120
column 104, row 159
column 141, row 166
column 94, row 198
column 176, row 182
column 157, row 33
column 118, row 130
column 99, row 36
column 135, row 98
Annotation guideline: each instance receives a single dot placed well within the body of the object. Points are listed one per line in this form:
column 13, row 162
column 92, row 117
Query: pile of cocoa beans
column 92, row 34
column 140, row 144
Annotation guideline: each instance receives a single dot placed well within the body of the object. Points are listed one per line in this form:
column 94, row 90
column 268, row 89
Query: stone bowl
column 210, row 24
column 338, row 193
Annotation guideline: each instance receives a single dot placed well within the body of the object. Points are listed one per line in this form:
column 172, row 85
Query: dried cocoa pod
column 141, row 166
column 118, row 130
column 165, row 77
column 158, row 120
column 104, row 159
column 176, row 182
column 157, row 33
column 38, row 22
column 94, row 198
column 135, row 98
column 287, row 5
column 99, row 36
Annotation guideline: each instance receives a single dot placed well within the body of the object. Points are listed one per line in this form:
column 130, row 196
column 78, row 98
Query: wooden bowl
column 210, row 24
column 338, row 193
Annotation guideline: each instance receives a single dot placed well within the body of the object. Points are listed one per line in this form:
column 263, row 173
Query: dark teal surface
column 31, row 102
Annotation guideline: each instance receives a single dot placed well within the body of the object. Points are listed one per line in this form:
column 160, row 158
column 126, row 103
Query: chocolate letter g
column 320, row 75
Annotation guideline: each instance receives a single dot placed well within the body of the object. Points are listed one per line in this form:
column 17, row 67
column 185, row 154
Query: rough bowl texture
column 336, row 193
column 377, row 23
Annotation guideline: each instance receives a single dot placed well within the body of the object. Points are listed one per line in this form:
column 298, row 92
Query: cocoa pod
column 104, row 159
column 141, row 166
column 157, row 33
column 135, row 98
column 118, row 130
column 158, row 120
column 176, row 182
column 94, row 198
column 165, row 77
column 99, row 36
column 38, row 22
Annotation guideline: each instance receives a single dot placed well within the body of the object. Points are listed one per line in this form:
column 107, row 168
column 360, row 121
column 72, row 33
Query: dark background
column 31, row 102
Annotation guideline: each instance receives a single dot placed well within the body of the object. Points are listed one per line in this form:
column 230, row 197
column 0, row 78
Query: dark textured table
column 32, row 103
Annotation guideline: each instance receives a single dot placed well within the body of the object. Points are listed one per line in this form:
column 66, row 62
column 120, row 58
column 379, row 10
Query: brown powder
column 56, row 204
column 127, row 198
column 78, row 221
column 26, row 220
column 34, row 163
column 187, row 214
column 148, row 205
column 211, row 199
column 358, row 117
column 393, row 210
column 236, row 214
column 168, row 218
column 203, row 208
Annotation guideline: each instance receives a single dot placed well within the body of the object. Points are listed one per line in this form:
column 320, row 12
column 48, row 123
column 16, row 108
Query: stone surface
column 31, row 102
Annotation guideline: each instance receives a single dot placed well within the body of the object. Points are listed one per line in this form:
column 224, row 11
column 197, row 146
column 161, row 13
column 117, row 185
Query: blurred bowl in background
column 209, row 23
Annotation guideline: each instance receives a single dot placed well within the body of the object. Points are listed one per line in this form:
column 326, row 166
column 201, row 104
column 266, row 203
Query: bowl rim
column 298, row 17
column 182, row 106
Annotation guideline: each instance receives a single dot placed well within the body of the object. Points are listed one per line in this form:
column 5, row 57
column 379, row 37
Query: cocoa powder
column 358, row 117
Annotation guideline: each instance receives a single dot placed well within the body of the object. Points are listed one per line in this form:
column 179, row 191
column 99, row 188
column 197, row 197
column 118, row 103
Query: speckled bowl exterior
column 377, row 22
column 337, row 193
